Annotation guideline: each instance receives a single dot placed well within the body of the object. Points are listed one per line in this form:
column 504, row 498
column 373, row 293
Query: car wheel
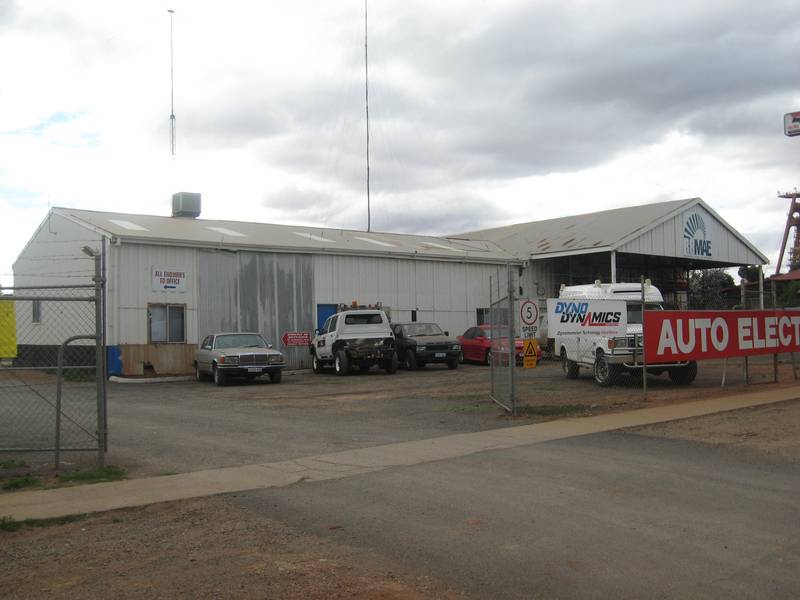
column 570, row 367
column 487, row 360
column 340, row 363
column 605, row 374
column 684, row 375
column 316, row 364
column 391, row 364
column 198, row 374
column 411, row 360
column 219, row 376
column 276, row 376
column 461, row 357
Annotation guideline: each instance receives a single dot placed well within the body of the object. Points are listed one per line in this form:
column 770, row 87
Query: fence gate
column 52, row 370
column 502, row 358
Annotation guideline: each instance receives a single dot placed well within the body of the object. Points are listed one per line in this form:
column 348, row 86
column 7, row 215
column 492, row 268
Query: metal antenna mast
column 172, row 133
column 366, row 97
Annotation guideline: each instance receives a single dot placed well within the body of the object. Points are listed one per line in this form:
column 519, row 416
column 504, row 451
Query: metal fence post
column 644, row 354
column 512, row 341
column 99, row 360
column 491, row 328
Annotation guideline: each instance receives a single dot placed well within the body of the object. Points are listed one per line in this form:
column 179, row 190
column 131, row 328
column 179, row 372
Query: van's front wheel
column 605, row 374
column 570, row 367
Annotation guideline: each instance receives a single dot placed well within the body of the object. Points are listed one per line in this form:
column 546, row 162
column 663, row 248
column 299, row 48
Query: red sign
column 296, row 338
column 699, row 335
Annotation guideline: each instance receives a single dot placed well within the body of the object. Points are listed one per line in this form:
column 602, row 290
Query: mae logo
column 696, row 241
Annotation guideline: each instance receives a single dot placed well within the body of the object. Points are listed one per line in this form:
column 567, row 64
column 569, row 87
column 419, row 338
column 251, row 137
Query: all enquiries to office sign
column 586, row 317
column 166, row 279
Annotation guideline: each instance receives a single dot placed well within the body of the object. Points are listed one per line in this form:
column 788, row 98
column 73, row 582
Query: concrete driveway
column 612, row 515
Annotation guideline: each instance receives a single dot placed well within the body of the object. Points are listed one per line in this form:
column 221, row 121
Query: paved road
column 612, row 515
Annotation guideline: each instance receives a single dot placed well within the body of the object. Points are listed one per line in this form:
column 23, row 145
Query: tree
column 750, row 272
column 705, row 288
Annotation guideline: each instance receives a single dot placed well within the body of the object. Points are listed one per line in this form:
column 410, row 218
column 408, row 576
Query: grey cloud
column 550, row 87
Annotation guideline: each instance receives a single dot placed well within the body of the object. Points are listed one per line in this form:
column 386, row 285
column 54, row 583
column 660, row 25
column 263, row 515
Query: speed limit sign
column 529, row 318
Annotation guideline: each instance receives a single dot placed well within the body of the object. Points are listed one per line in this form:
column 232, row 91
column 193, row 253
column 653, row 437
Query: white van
column 609, row 357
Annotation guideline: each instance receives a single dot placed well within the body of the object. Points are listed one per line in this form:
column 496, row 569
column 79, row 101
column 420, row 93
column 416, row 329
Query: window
column 206, row 345
column 166, row 323
column 413, row 316
column 364, row 319
column 239, row 340
column 330, row 324
column 36, row 311
column 483, row 315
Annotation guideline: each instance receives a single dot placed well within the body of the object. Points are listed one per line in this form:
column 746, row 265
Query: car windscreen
column 635, row 312
column 364, row 319
column 417, row 329
column 239, row 340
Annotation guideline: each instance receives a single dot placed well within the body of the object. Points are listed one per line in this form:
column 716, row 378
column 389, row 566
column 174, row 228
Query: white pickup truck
column 608, row 357
column 350, row 338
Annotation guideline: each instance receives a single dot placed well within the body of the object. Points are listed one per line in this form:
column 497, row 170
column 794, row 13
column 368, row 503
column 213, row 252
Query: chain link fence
column 579, row 384
column 52, row 377
column 501, row 355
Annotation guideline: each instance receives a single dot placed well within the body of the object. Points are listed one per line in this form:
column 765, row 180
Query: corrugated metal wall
column 667, row 240
column 448, row 293
column 130, row 289
column 257, row 291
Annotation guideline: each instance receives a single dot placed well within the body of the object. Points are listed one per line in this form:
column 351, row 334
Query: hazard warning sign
column 529, row 358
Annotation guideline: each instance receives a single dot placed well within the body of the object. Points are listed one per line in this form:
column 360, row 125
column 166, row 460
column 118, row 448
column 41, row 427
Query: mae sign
column 696, row 238
column 699, row 335
column 166, row 279
column 586, row 317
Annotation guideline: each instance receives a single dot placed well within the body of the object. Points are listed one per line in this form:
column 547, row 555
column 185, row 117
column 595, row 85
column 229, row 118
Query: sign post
column 296, row 338
column 529, row 357
column 528, row 319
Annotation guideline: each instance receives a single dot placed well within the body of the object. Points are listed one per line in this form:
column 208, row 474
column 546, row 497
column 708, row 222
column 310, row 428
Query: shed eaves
column 287, row 238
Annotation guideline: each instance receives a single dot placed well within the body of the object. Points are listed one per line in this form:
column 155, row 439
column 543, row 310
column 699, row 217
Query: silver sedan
column 221, row 356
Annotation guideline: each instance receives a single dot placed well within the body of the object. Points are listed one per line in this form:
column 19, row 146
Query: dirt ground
column 209, row 548
column 203, row 548
column 770, row 430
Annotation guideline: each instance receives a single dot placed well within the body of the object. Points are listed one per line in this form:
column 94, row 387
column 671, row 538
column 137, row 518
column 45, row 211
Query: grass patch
column 94, row 476
column 552, row 410
column 20, row 482
column 54, row 521
column 79, row 375
column 11, row 524
column 13, row 464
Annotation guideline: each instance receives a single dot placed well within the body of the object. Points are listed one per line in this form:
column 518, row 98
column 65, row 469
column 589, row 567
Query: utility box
column 186, row 204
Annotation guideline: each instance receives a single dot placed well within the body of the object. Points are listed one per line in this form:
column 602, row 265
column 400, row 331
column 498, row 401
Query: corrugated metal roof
column 593, row 232
column 266, row 236
column 600, row 230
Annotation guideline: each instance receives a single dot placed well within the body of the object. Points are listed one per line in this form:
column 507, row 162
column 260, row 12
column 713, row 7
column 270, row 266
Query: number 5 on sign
column 529, row 358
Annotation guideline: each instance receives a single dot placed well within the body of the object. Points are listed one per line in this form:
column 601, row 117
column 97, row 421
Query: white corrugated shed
column 652, row 229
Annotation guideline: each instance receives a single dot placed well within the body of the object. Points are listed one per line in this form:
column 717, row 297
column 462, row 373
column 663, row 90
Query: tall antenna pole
column 172, row 133
column 366, row 96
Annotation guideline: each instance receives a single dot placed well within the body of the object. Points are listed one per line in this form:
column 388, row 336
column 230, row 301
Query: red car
column 477, row 345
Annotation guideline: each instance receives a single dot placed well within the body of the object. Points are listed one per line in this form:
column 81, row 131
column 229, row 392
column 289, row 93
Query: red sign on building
column 701, row 335
column 296, row 338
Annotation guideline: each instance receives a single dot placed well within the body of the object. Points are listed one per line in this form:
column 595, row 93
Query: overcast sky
column 481, row 113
